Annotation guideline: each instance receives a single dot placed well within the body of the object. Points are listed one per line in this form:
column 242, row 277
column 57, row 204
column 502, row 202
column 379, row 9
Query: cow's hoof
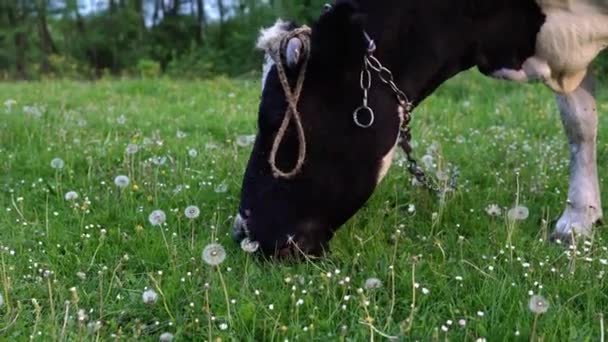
column 575, row 223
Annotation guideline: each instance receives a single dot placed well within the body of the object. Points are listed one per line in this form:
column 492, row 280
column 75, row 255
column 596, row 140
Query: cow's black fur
column 424, row 42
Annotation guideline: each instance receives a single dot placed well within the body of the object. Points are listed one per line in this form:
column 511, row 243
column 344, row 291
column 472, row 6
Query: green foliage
column 147, row 68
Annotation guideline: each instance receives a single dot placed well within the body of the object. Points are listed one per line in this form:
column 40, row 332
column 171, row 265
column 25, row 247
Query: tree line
column 183, row 38
column 90, row 39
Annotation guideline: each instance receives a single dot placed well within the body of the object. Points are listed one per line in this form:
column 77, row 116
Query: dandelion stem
column 162, row 294
column 533, row 334
column 208, row 314
column 65, row 320
column 602, row 330
column 219, row 271
column 5, row 284
column 410, row 319
column 52, row 306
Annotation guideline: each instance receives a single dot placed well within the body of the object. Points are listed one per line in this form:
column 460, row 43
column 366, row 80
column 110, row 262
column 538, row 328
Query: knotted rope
column 292, row 97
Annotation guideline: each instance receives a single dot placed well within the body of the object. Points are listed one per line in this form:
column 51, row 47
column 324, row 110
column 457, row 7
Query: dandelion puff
column 192, row 153
column 221, row 188
column 166, row 337
column 249, row 246
column 157, row 217
column 57, row 163
column 71, row 196
column 245, row 140
column 493, row 210
column 518, row 213
column 372, row 283
column 132, row 149
column 538, row 304
column 121, row 181
column 214, row 254
column 192, row 212
column 180, row 135
column 150, row 296
column 121, row 120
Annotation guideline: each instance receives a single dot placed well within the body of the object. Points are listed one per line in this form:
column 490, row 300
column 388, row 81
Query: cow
column 327, row 133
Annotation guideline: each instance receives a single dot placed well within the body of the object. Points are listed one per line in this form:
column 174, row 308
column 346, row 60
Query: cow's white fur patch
column 580, row 118
column 574, row 33
column 270, row 40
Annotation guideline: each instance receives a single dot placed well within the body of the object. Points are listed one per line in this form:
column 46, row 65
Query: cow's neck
column 426, row 42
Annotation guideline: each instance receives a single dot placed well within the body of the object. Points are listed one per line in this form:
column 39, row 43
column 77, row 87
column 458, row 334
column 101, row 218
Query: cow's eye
column 327, row 8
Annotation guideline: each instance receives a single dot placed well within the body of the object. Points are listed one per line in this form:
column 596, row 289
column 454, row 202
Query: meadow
column 85, row 255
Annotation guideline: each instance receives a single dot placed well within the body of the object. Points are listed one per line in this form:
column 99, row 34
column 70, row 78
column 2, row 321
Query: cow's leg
column 580, row 119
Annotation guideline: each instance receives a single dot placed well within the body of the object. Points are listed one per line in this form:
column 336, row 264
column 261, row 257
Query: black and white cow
column 424, row 43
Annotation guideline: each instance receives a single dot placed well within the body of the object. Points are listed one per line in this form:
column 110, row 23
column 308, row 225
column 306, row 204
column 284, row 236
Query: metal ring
column 358, row 111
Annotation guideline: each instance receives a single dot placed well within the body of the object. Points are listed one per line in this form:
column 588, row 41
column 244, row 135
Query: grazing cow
column 317, row 158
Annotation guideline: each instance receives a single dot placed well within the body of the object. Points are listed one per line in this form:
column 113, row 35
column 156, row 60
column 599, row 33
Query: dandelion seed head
column 192, row 212
column 214, row 254
column 518, row 213
column 157, row 217
column 192, row 153
column 249, row 246
column 57, row 163
column 166, row 337
column 71, row 196
column 132, row 149
column 121, row 181
column 150, row 296
column 493, row 210
column 372, row 283
column 538, row 304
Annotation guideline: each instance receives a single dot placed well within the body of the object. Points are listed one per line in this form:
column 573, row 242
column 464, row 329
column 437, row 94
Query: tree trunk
column 20, row 41
column 222, row 12
column 201, row 20
column 47, row 45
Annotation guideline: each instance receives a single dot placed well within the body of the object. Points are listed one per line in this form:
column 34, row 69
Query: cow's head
column 343, row 163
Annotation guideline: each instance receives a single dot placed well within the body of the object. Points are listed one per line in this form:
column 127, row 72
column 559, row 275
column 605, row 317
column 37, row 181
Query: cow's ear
column 338, row 34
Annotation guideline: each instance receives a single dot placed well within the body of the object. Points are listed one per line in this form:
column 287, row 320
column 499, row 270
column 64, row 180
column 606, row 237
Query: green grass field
column 77, row 269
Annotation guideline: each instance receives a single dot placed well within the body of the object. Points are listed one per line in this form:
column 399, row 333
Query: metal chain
column 406, row 106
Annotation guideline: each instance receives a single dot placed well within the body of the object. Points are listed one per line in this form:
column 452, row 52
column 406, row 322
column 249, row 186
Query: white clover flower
column 372, row 283
column 157, row 217
column 192, row 153
column 411, row 208
column 223, row 326
column 166, row 337
column 214, row 254
column 493, row 210
column 245, row 140
column 462, row 322
column 538, row 304
column 81, row 275
column 150, row 296
column 121, row 181
column 132, row 149
column 192, row 212
column 249, row 246
column 518, row 213
column 57, row 163
column 71, row 196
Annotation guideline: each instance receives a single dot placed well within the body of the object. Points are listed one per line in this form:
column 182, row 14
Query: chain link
column 386, row 76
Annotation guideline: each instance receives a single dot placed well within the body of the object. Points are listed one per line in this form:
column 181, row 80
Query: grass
column 77, row 270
